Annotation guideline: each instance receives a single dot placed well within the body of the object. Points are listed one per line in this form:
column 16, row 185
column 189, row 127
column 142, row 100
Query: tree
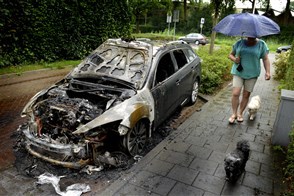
column 252, row 2
column 141, row 8
column 203, row 10
column 292, row 6
column 49, row 30
column 218, row 7
column 227, row 8
column 266, row 4
column 287, row 13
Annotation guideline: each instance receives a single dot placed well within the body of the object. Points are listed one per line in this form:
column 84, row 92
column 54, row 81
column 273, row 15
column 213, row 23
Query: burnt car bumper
column 57, row 154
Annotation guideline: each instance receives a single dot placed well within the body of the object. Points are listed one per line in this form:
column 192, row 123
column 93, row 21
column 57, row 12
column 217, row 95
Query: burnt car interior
column 165, row 68
column 180, row 58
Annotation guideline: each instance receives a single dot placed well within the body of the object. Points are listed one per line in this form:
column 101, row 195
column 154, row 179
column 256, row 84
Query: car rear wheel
column 197, row 42
column 194, row 92
column 135, row 140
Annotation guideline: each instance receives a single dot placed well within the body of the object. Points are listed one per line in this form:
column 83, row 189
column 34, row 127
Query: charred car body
column 111, row 101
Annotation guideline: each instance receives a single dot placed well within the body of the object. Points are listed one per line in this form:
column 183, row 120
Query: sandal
column 232, row 119
column 240, row 118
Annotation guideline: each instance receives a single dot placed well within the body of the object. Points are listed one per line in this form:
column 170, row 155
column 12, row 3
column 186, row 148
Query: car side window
column 180, row 58
column 165, row 68
column 191, row 55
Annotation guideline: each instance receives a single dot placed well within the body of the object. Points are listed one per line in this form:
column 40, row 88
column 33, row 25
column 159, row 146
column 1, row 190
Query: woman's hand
column 237, row 60
column 267, row 67
column 267, row 76
column 233, row 58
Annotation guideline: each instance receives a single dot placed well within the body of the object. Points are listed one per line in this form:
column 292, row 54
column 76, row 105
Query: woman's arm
column 233, row 58
column 267, row 67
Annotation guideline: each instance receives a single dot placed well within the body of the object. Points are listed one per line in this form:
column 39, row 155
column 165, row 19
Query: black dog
column 235, row 161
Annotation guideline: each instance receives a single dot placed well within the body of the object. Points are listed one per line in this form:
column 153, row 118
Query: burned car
column 111, row 102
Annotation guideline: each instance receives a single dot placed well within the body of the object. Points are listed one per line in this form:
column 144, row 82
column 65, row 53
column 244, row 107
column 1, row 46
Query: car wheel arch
column 135, row 140
column 194, row 91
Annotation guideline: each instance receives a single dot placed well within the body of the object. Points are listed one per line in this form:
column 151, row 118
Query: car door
column 183, row 75
column 164, row 89
column 187, row 71
column 190, row 38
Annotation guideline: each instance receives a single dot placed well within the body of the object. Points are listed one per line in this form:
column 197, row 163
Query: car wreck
column 109, row 105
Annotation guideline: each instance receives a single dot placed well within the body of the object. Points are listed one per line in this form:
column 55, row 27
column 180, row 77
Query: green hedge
column 284, row 69
column 215, row 68
column 49, row 30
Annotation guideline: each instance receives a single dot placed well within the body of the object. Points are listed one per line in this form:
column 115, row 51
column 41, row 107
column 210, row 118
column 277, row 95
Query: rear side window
column 180, row 58
column 191, row 55
column 165, row 68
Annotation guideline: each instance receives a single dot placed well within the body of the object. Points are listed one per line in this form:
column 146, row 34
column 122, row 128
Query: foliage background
column 215, row 68
column 49, row 30
column 284, row 69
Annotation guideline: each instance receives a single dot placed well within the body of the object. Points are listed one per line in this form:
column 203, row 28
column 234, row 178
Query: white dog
column 253, row 106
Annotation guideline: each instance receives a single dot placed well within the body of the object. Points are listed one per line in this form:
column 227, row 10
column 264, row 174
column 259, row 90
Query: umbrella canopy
column 247, row 25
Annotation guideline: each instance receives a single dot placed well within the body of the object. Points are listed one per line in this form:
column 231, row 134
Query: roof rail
column 129, row 43
column 176, row 42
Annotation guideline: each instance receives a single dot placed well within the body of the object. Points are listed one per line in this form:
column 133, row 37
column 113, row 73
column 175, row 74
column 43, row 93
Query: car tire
column 135, row 140
column 197, row 42
column 194, row 92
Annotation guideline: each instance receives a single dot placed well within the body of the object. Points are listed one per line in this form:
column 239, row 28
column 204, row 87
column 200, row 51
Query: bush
column 284, row 69
column 281, row 65
column 215, row 68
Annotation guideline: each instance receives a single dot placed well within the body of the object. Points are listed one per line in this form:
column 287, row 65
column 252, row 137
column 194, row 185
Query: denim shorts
column 247, row 83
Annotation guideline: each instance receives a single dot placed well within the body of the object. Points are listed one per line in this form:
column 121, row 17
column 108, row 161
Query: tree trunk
column 267, row 5
column 287, row 14
column 185, row 10
column 213, row 34
column 253, row 6
column 137, row 25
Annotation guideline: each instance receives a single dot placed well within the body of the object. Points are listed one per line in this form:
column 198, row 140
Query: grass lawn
column 23, row 68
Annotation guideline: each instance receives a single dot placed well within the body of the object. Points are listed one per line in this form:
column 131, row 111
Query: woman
column 246, row 55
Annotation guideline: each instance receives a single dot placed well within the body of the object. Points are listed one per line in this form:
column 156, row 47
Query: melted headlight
column 123, row 129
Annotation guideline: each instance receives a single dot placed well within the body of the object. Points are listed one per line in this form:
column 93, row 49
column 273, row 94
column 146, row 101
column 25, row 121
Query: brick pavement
column 190, row 160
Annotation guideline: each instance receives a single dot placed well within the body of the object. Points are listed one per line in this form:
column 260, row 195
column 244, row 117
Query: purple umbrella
column 247, row 25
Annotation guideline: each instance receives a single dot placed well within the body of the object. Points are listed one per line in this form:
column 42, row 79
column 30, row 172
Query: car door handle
column 178, row 82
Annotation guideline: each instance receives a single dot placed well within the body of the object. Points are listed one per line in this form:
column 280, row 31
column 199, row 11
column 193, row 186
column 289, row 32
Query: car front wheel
column 197, row 42
column 135, row 140
column 194, row 92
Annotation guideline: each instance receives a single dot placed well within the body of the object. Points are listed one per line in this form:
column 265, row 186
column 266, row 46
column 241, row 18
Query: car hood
column 125, row 61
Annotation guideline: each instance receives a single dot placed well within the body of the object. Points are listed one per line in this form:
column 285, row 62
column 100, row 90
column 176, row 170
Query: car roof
column 147, row 44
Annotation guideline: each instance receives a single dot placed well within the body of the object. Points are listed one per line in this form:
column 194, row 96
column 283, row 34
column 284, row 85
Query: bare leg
column 243, row 104
column 235, row 103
